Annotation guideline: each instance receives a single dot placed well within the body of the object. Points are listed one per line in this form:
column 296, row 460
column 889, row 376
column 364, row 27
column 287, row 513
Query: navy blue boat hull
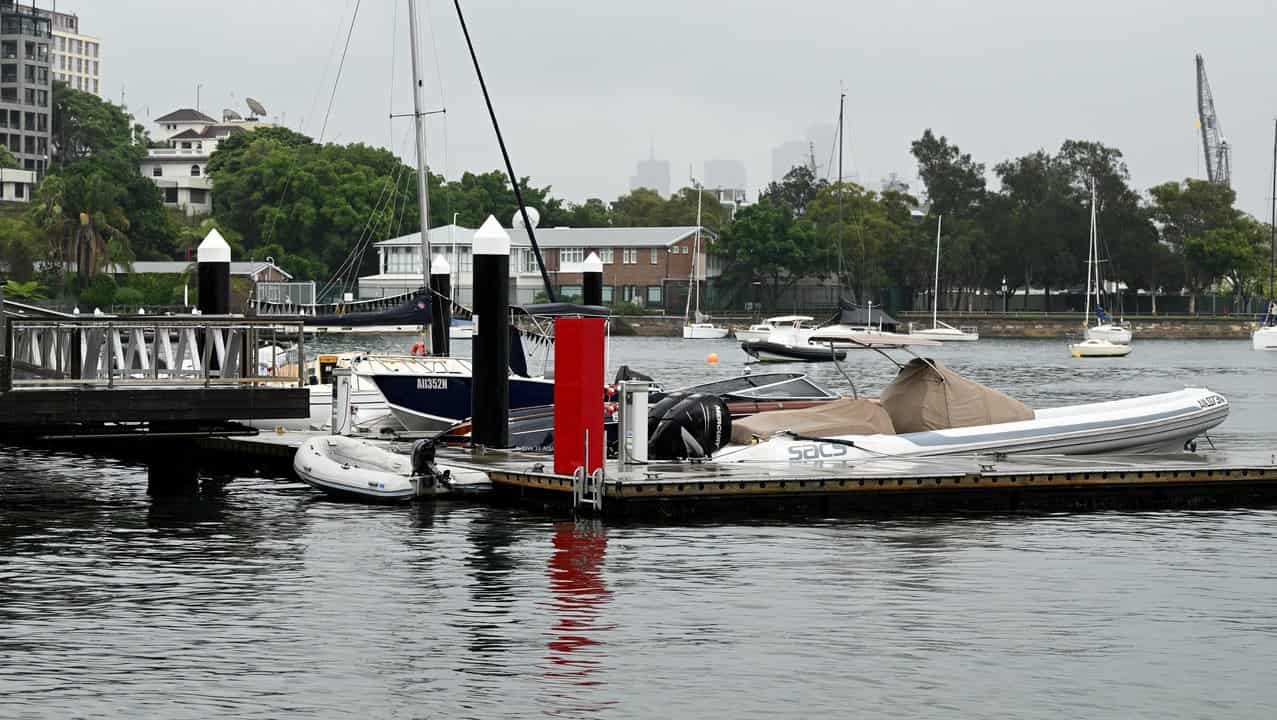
column 423, row 402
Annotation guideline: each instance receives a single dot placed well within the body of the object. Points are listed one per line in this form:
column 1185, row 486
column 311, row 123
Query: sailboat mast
column 1090, row 261
column 935, row 293
column 696, row 259
column 423, row 176
column 842, row 97
column 1272, row 257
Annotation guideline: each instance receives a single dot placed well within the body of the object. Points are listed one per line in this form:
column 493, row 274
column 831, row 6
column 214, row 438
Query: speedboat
column 791, row 344
column 920, row 415
column 760, row 331
column 1098, row 349
column 366, row 401
column 945, row 332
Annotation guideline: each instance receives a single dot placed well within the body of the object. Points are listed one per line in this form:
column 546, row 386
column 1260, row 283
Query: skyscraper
column 722, row 173
column 25, row 36
column 652, row 174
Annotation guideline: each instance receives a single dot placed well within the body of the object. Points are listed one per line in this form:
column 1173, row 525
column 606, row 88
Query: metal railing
column 151, row 351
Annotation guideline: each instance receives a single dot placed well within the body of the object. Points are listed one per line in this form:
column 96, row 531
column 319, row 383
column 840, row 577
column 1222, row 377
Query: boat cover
column 412, row 311
column 926, row 395
column 844, row 416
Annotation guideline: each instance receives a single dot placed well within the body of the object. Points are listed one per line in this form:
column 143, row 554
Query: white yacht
column 760, row 331
column 943, row 332
column 1104, row 329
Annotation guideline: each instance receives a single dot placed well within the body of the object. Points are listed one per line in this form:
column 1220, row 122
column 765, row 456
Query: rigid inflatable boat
column 930, row 410
column 353, row 468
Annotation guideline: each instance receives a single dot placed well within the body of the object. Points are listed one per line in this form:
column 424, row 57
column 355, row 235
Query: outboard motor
column 423, row 464
column 689, row 427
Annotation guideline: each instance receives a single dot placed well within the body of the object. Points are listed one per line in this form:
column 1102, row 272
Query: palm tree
column 83, row 219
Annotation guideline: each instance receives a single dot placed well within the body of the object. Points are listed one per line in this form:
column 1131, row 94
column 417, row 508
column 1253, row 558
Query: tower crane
column 1218, row 153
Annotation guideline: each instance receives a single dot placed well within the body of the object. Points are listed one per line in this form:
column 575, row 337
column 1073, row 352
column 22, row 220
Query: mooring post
column 440, row 305
column 213, row 257
column 592, row 280
column 171, row 469
column 490, row 362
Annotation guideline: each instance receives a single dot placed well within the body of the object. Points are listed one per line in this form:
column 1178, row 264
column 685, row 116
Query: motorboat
column 1264, row 338
column 945, row 332
column 366, row 401
column 760, row 331
column 941, row 331
column 704, row 331
column 533, row 428
column 461, row 329
column 371, row 471
column 1098, row 349
column 791, row 344
column 931, row 410
column 434, row 393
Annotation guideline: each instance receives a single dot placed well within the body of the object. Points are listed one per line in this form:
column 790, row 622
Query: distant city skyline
column 579, row 117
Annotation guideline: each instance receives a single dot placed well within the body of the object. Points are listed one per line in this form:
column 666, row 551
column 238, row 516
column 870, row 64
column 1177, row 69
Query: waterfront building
column 25, row 84
column 181, row 168
column 76, row 58
column 647, row 266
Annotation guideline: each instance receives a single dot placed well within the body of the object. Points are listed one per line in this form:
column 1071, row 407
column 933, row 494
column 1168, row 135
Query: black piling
column 440, row 305
column 490, row 395
column 592, row 280
column 214, row 260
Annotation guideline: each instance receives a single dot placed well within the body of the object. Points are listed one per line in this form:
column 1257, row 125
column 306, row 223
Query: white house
column 17, row 185
column 181, row 169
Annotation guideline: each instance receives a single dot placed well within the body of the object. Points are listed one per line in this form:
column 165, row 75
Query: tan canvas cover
column 923, row 397
column 844, row 416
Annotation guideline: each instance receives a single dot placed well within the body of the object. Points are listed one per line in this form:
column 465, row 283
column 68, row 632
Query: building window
column 629, row 256
column 170, row 195
column 570, row 293
column 200, row 197
column 18, row 189
column 608, row 292
column 195, row 171
column 571, row 255
column 9, row 50
column 607, row 256
column 157, row 171
column 655, row 255
column 653, row 294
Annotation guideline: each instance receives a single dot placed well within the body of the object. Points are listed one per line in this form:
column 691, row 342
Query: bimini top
column 561, row 310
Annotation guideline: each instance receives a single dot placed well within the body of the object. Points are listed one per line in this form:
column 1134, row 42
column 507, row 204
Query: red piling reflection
column 576, row 584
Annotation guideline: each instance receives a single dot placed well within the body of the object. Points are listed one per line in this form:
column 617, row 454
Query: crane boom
column 1218, row 154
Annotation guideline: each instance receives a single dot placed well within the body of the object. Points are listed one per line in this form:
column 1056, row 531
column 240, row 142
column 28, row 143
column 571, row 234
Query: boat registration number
column 1211, row 401
column 815, row 451
column 429, row 383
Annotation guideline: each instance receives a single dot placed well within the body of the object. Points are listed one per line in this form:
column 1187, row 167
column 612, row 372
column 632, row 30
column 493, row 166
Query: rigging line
column 339, row 276
column 514, row 180
column 340, row 66
column 394, row 35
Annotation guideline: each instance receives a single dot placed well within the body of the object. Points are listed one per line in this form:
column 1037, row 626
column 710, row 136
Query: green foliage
column 20, row 247
column 955, row 182
column 99, row 293
column 29, row 290
column 129, row 298
column 7, row 160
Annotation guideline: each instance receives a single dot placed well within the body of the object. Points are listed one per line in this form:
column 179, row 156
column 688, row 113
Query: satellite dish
column 257, row 108
column 533, row 216
column 229, row 114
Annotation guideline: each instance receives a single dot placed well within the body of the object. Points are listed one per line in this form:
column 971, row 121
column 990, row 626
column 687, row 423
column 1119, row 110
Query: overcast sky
column 583, row 87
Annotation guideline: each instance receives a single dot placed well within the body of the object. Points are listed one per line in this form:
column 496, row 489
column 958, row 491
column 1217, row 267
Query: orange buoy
column 712, row 359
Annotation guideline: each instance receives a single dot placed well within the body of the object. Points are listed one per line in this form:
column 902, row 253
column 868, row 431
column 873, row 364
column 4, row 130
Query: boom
column 1218, row 153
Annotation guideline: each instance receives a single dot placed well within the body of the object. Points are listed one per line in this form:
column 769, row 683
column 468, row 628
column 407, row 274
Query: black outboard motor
column 423, row 464
column 688, row 427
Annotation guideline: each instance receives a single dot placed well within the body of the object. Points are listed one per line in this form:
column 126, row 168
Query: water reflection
column 577, row 598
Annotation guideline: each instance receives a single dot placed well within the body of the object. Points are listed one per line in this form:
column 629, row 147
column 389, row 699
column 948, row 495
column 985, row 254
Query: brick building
column 648, row 266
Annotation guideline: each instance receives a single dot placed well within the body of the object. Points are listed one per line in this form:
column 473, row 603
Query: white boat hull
column 946, row 334
column 355, row 468
column 1112, row 333
column 703, row 331
column 1265, row 338
column 1098, row 349
column 752, row 334
column 1155, row 422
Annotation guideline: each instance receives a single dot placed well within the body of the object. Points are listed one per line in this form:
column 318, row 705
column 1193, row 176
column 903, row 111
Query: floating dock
column 689, row 490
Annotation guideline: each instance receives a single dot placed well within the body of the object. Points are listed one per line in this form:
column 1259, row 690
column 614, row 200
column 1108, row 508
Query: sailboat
column 943, row 332
column 1104, row 328
column 1100, row 344
column 1265, row 336
column 696, row 326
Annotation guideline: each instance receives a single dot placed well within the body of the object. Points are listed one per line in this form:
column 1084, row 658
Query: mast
column 935, row 293
column 423, row 176
column 842, row 96
column 1090, row 261
column 696, row 258
column 1272, row 257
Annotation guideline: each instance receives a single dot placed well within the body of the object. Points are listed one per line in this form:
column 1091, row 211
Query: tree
column 955, row 182
column 20, row 248
column 1186, row 212
column 795, row 191
column 641, row 207
column 82, row 216
column 592, row 213
column 765, row 242
column 7, row 160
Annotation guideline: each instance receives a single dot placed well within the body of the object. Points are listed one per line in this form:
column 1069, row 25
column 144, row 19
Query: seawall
column 1014, row 325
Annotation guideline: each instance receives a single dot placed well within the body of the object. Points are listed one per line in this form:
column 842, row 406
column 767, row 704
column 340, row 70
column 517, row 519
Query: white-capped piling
column 490, row 364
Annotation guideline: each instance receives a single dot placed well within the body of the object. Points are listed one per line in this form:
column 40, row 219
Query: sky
column 584, row 88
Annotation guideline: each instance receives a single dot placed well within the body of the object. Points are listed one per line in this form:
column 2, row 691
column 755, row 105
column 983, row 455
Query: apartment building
column 76, row 57
column 25, row 85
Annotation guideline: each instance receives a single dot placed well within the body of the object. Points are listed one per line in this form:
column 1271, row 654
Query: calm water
column 256, row 599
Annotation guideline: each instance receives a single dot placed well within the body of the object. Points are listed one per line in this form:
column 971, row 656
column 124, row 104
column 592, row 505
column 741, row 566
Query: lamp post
column 1004, row 294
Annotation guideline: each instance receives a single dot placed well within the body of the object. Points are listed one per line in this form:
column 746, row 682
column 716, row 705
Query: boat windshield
column 764, row 386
